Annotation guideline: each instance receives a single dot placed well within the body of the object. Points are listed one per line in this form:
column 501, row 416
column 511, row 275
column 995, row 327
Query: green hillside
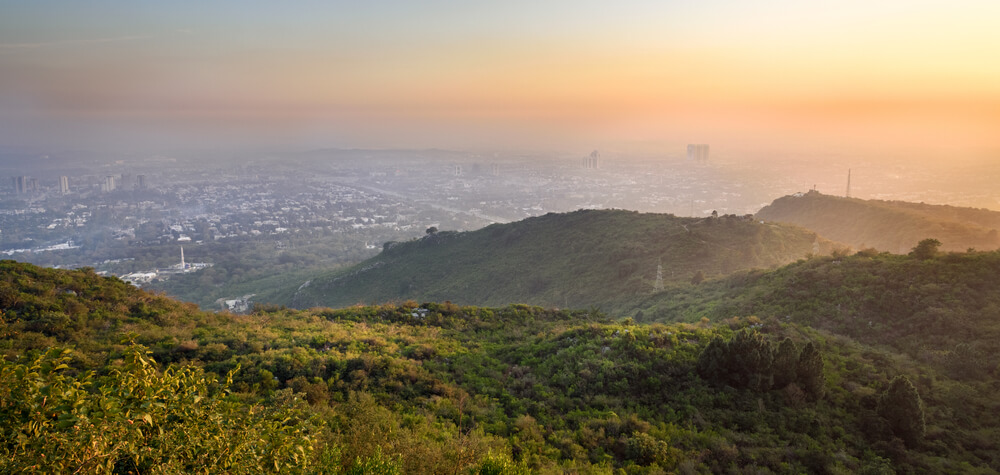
column 439, row 388
column 585, row 258
column 930, row 308
column 892, row 226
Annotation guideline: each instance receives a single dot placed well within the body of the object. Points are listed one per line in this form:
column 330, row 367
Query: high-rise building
column 592, row 161
column 109, row 183
column 697, row 152
column 64, row 184
column 20, row 184
column 25, row 184
column 140, row 182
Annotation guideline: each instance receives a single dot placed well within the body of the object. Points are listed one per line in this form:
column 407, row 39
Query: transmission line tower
column 658, row 286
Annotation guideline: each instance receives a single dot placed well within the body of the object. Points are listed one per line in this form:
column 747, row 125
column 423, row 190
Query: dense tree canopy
column 440, row 388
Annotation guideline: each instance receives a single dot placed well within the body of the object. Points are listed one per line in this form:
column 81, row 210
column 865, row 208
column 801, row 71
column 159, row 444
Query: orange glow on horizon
column 896, row 71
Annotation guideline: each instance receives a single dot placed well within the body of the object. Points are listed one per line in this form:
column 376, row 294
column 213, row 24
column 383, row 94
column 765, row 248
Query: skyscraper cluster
column 592, row 161
column 25, row 184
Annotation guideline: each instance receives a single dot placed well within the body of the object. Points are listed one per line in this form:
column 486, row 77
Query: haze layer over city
column 915, row 81
column 130, row 130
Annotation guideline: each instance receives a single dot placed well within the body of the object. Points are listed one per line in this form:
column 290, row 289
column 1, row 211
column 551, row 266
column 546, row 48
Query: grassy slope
column 434, row 385
column 909, row 303
column 892, row 226
column 580, row 259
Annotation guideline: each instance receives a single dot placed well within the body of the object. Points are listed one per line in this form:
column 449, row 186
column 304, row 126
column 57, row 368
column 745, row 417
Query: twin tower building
column 695, row 152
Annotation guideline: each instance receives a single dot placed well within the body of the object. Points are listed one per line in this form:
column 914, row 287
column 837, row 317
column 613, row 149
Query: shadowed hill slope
column 579, row 259
column 893, row 226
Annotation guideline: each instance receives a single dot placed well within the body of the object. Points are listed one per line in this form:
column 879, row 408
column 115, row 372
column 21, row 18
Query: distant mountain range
column 893, row 226
column 585, row 258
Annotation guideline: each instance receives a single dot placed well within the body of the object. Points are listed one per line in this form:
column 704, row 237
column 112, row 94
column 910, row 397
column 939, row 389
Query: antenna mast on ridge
column 848, row 182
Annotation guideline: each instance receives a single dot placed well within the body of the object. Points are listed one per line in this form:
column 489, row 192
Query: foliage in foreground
column 140, row 420
column 439, row 388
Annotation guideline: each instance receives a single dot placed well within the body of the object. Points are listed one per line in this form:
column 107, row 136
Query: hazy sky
column 574, row 74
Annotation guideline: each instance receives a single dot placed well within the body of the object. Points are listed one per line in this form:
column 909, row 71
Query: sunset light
column 521, row 74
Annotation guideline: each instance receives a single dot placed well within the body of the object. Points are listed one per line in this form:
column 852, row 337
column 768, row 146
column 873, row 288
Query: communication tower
column 848, row 182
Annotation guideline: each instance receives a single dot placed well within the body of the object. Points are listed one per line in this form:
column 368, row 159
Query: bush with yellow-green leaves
column 139, row 419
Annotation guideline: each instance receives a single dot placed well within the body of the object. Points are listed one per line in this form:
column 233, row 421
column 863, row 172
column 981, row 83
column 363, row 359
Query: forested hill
column 892, row 226
column 927, row 304
column 154, row 386
column 576, row 260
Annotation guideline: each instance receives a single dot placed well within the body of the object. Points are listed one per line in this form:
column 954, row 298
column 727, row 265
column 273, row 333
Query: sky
column 887, row 75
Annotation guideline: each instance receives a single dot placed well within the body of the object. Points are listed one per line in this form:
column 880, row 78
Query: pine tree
column 743, row 362
column 786, row 362
column 712, row 362
column 901, row 406
column 751, row 360
column 809, row 371
column 926, row 249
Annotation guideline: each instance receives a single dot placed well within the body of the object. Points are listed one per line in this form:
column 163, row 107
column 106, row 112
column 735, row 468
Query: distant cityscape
column 107, row 213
